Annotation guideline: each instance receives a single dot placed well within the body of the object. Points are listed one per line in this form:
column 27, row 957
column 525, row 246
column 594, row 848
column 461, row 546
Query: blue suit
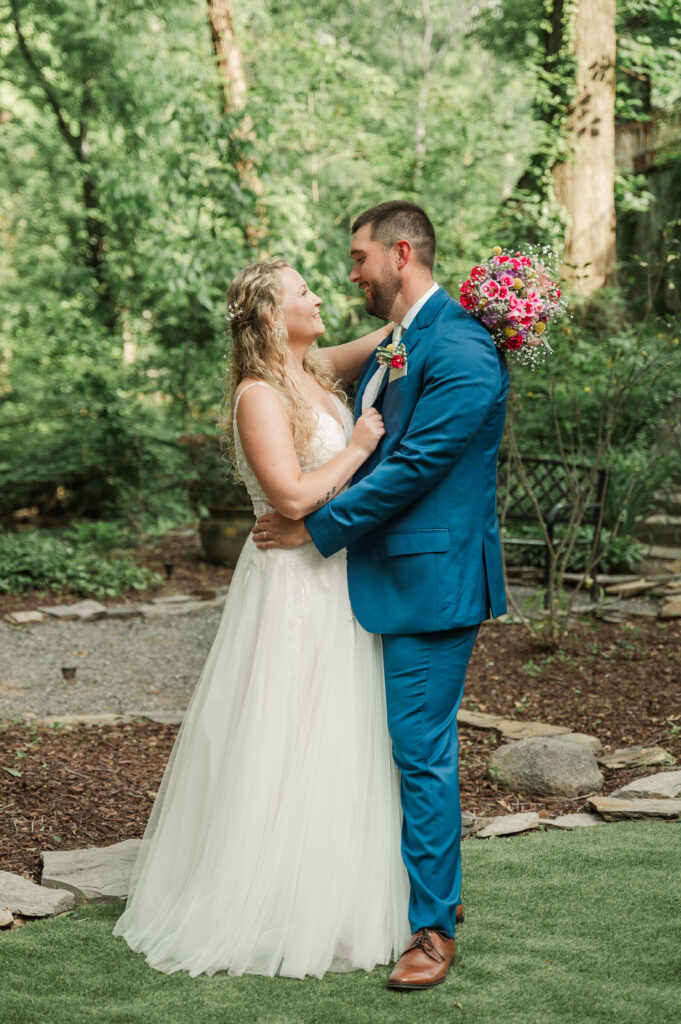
column 424, row 568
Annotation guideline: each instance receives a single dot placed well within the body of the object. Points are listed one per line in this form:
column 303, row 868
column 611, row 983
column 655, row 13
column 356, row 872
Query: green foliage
column 607, row 401
column 83, row 561
column 620, row 553
column 126, row 211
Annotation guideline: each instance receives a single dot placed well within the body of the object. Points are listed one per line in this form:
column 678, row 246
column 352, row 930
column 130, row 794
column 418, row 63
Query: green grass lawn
column 581, row 926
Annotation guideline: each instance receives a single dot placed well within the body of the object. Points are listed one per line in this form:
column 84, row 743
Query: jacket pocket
column 416, row 542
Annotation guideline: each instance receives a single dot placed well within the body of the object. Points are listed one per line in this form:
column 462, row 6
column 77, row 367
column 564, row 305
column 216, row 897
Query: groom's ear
column 404, row 251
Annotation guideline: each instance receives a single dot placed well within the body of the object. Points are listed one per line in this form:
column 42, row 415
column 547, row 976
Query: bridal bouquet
column 514, row 297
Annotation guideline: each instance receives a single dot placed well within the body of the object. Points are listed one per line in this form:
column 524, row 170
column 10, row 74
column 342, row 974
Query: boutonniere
column 393, row 356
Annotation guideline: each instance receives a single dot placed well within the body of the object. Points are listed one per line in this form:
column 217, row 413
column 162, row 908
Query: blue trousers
column 424, row 677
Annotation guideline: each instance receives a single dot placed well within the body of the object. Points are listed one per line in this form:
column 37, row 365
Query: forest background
column 148, row 150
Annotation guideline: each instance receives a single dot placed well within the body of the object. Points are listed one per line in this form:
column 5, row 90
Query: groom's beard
column 382, row 294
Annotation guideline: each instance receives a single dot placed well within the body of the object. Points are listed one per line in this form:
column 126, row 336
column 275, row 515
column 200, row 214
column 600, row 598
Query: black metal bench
column 558, row 489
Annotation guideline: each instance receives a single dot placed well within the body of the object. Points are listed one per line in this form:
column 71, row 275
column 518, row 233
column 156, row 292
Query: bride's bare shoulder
column 258, row 408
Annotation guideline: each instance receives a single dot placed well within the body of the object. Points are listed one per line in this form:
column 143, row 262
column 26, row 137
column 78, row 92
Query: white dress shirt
column 374, row 384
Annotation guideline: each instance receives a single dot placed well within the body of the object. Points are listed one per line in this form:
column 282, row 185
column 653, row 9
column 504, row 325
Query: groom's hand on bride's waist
column 276, row 531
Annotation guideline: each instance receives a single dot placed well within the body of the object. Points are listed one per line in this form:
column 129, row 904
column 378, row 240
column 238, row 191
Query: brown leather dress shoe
column 425, row 961
column 459, row 913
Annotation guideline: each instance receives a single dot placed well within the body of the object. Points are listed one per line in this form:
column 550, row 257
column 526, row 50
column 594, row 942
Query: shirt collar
column 418, row 305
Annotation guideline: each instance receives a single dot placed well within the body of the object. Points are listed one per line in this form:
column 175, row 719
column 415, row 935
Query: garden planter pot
column 224, row 533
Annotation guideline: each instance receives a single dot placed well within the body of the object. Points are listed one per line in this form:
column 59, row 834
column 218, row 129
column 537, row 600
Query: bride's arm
column 347, row 360
column 267, row 440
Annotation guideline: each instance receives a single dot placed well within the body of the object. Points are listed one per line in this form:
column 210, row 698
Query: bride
column 273, row 845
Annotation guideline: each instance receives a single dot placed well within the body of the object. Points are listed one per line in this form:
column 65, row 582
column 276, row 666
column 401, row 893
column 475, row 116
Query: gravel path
column 127, row 665
column 122, row 666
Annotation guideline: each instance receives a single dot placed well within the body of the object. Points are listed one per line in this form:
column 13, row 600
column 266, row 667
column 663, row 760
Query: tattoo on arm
column 329, row 496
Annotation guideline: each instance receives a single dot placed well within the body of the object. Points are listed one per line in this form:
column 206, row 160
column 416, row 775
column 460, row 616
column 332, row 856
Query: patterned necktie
column 374, row 385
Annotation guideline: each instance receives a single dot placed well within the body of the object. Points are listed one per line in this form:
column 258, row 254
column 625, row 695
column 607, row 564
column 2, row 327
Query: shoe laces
column 423, row 941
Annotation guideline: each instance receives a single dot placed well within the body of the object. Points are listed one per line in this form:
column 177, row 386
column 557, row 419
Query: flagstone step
column 616, row 809
column 94, row 874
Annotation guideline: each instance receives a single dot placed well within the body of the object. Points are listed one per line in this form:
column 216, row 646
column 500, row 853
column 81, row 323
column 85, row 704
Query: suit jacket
column 420, row 519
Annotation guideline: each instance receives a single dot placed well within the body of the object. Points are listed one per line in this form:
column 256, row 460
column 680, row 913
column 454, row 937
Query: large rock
column 546, row 767
column 617, row 809
column 93, row 875
column 662, row 784
column 584, row 740
column 21, row 896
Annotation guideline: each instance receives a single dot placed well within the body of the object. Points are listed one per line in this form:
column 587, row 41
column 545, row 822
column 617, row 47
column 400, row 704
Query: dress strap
column 253, row 384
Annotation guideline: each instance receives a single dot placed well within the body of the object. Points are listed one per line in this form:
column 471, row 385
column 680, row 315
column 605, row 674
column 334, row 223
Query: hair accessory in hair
column 234, row 312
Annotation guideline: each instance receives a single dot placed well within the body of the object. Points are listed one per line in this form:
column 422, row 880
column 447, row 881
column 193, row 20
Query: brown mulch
column 78, row 786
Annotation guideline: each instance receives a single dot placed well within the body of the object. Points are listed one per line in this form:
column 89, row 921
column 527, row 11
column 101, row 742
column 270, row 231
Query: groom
column 424, row 559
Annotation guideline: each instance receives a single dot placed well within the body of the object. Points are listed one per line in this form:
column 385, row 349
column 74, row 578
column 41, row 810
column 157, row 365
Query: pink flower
column 506, row 280
column 503, row 292
column 490, row 289
column 502, row 258
column 478, row 272
column 526, row 261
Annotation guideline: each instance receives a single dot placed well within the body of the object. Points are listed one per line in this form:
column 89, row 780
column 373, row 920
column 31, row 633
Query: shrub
column 39, row 560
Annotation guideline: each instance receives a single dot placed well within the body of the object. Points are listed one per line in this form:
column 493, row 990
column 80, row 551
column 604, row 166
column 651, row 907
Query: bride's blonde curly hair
column 260, row 350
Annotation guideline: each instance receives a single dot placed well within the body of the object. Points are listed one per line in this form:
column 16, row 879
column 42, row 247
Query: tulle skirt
column 273, row 845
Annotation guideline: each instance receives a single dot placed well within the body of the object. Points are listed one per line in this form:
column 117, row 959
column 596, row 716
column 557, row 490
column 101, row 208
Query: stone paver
column 21, row 896
column 662, row 784
column 636, row 757
column 671, row 609
column 23, row 618
column 83, row 610
column 511, row 729
column 617, row 809
column 577, row 820
column 509, row 824
column 631, row 589
column 93, row 875
column 478, row 719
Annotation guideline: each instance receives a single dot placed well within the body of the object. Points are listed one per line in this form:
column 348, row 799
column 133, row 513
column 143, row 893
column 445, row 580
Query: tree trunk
column 228, row 54
column 234, row 92
column 584, row 184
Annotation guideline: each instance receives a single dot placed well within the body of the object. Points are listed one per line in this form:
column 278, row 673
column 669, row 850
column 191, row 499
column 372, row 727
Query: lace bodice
column 330, row 439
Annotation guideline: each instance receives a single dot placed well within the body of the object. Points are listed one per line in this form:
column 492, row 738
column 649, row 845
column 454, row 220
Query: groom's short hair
column 400, row 219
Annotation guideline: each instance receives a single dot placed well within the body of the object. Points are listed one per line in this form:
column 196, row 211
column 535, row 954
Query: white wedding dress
column 273, row 845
